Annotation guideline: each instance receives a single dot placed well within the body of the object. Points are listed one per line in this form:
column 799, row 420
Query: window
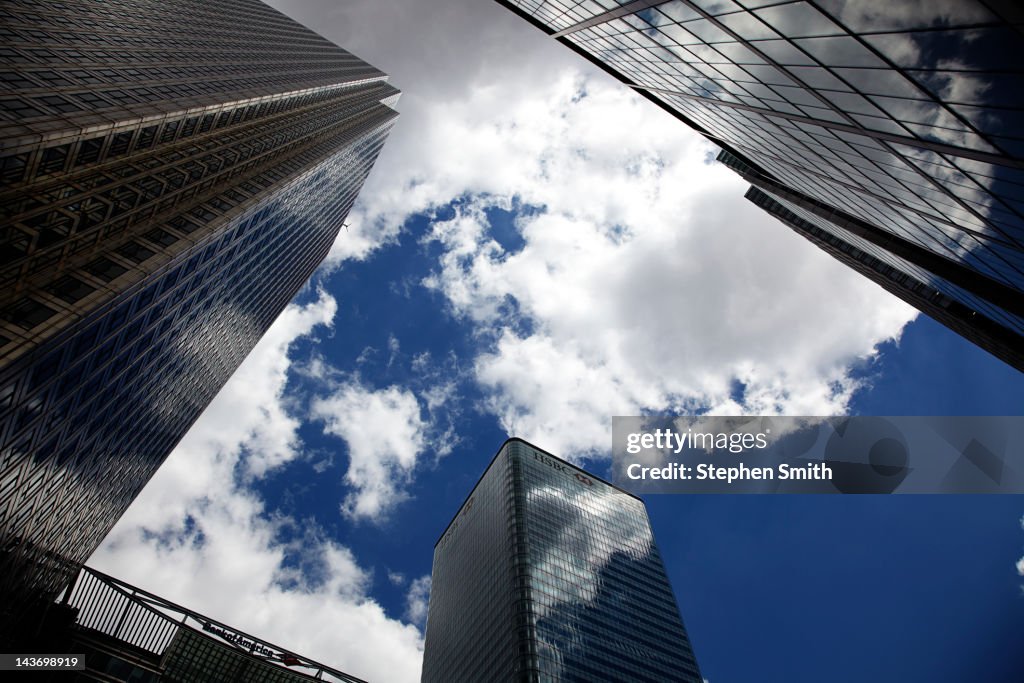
column 161, row 237
column 28, row 313
column 89, row 151
column 105, row 269
column 134, row 251
column 71, row 289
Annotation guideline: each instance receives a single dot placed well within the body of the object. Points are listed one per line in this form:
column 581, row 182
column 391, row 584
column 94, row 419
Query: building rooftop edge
column 501, row 448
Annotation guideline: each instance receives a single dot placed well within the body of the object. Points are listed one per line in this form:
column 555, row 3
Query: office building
column 173, row 173
column 887, row 133
column 549, row 573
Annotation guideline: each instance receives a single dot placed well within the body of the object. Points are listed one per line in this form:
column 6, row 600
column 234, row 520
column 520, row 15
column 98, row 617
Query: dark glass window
column 71, row 289
column 134, row 251
column 161, row 237
column 89, row 151
column 105, row 269
column 146, row 137
column 170, row 130
column 121, row 143
column 28, row 313
column 12, row 168
column 54, row 159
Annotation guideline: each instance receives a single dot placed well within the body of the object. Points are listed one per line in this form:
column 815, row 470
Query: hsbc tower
column 549, row 573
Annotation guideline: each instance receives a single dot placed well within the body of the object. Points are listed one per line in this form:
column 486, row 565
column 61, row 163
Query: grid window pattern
column 909, row 117
column 562, row 14
column 904, row 280
column 558, row 568
column 150, row 240
column 196, row 658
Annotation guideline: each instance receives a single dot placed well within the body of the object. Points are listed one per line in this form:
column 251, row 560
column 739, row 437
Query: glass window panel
column 617, row 26
column 824, row 114
column 732, row 88
column 747, row 26
column 714, row 7
column 733, row 72
column 872, row 15
column 761, row 90
column 707, row 70
column 653, row 17
column 679, row 34
column 799, row 20
column 840, row 51
column 924, row 155
column 659, row 57
column 783, row 107
column 644, row 40
column 817, row 77
column 685, row 68
column 738, row 53
column 28, row 313
column 881, row 82
column 706, row 53
column 105, row 269
column 708, row 32
column 134, row 251
column 677, row 11
column 769, row 74
column 952, row 137
column 1004, row 122
column 636, row 22
column 971, row 49
column 782, row 51
column 919, row 111
column 1006, row 89
column 798, row 95
column 885, row 125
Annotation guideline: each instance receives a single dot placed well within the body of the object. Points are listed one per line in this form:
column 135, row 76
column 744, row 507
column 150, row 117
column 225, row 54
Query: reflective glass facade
column 173, row 174
column 548, row 573
column 899, row 126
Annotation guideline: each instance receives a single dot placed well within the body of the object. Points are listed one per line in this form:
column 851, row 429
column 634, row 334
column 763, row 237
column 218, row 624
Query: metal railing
column 141, row 619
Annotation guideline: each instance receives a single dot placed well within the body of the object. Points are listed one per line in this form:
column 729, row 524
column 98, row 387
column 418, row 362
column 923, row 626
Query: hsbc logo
column 458, row 520
column 562, row 467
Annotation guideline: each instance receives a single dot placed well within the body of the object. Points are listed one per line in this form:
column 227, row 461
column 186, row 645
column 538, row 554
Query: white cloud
column 394, row 349
column 648, row 282
column 417, row 600
column 385, row 435
column 437, row 53
column 197, row 535
column 1020, row 565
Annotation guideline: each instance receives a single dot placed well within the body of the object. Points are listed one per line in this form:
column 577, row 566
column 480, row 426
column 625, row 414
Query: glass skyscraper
column 173, row 172
column 548, row 573
column 890, row 134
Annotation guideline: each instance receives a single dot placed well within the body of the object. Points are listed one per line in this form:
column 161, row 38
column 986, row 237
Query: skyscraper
column 173, row 174
column 548, row 573
column 887, row 133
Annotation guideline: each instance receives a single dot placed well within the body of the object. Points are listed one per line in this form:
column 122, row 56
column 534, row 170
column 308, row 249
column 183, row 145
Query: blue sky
column 536, row 251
